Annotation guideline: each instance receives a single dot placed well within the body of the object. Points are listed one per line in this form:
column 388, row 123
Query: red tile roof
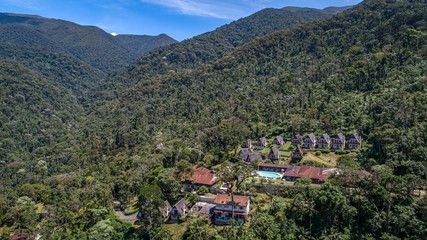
column 225, row 199
column 203, row 176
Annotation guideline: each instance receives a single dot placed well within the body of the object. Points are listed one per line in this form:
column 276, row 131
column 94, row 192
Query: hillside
column 142, row 44
column 89, row 44
column 211, row 46
column 346, row 73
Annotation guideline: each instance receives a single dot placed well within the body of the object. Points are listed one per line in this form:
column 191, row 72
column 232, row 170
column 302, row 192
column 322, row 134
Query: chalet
column 324, row 141
column 274, row 154
column 270, row 167
column 225, row 205
column 203, row 209
column 355, row 142
column 201, row 177
column 261, row 144
column 244, row 153
column 279, row 141
column 248, row 144
column 310, row 141
column 165, row 211
column 298, row 154
column 179, row 210
column 253, row 157
column 298, row 140
column 338, row 142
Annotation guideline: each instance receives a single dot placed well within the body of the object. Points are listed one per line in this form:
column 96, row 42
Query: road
column 129, row 218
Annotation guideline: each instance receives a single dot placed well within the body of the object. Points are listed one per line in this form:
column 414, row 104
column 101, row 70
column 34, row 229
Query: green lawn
column 176, row 229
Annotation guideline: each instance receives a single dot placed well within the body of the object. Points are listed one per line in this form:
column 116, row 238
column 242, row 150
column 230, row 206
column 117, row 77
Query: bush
column 318, row 153
column 325, row 151
column 339, row 152
column 304, row 181
column 202, row 190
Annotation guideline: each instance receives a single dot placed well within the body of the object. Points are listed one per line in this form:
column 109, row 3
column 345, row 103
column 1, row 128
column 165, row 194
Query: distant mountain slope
column 360, row 71
column 142, row 44
column 89, row 44
column 34, row 113
column 211, row 46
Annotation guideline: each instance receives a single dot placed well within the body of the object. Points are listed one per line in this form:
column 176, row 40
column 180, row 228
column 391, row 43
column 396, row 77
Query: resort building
column 201, row 177
column 310, row 141
column 244, row 152
column 338, row 142
column 253, row 157
column 324, row 141
column 224, row 207
column 261, row 144
column 278, row 141
column 247, row 145
column 274, row 154
column 298, row 140
column 355, row 142
column 270, row 167
column 179, row 210
column 298, row 154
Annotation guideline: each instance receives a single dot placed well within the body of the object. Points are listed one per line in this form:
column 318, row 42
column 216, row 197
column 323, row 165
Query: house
column 253, row 157
column 270, row 167
column 201, row 177
column 298, row 154
column 274, row 154
column 225, row 205
column 279, row 141
column 203, row 209
column 179, row 210
column 317, row 175
column 298, row 140
column 261, row 144
column 324, row 141
column 338, row 142
column 355, row 142
column 248, row 144
column 310, row 141
column 166, row 210
column 244, row 153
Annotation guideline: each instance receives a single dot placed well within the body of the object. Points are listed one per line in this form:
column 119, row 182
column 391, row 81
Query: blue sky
column 180, row 19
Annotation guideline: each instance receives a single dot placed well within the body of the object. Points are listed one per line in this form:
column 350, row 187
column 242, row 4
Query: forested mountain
column 89, row 44
column 211, row 46
column 359, row 71
column 363, row 70
column 142, row 44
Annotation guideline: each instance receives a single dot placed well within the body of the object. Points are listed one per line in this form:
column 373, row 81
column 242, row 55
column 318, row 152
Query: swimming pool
column 269, row 174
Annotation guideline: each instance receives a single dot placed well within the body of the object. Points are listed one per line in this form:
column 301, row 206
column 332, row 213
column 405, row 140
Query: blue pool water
column 268, row 174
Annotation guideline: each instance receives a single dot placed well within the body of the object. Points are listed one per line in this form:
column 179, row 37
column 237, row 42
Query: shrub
column 339, row 152
column 202, row 190
column 304, row 181
column 318, row 153
column 325, row 151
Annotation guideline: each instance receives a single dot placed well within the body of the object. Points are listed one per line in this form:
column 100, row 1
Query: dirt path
column 129, row 218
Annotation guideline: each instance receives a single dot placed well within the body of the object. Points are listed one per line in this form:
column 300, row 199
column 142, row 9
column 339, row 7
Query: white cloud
column 202, row 8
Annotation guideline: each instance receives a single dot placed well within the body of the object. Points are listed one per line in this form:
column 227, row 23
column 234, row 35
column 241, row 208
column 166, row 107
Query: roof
column 263, row 140
column 279, row 139
column 180, row 206
column 307, row 171
column 202, row 175
column 274, row 153
column 225, row 199
column 312, row 137
column 166, row 209
column 357, row 137
column 272, row 165
column 326, row 137
column 254, row 156
column 299, row 150
column 245, row 152
column 203, row 208
column 341, row 137
column 248, row 144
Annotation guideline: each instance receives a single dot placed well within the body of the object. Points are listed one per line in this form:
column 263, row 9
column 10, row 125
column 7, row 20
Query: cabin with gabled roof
column 324, row 142
column 339, row 142
column 355, row 142
column 278, row 141
column 298, row 154
column 310, row 141
column 297, row 140
column 274, row 154
column 261, row 144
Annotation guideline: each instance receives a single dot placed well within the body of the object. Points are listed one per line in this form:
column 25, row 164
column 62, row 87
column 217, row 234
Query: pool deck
column 281, row 175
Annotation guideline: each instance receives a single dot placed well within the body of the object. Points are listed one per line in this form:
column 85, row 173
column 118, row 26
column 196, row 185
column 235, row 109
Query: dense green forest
column 209, row 47
column 64, row 161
